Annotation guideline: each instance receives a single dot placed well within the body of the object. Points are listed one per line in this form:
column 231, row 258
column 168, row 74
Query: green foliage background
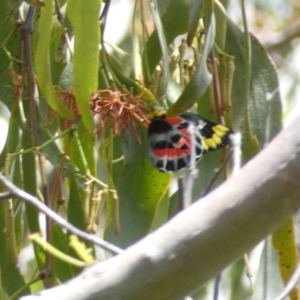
column 144, row 200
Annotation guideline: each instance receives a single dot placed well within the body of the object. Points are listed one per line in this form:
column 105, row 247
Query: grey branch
column 17, row 192
column 199, row 242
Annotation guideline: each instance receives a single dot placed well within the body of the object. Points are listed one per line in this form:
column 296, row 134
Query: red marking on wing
column 185, row 139
column 173, row 121
column 171, row 152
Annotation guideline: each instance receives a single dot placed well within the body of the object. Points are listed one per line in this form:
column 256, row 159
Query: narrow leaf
column 285, row 244
column 195, row 9
column 264, row 80
column 42, row 66
column 140, row 188
column 84, row 16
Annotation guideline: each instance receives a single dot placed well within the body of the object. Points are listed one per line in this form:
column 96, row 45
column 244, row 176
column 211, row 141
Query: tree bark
column 199, row 242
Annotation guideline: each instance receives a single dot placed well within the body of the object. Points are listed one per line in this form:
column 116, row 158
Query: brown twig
column 60, row 19
column 216, row 85
column 26, row 30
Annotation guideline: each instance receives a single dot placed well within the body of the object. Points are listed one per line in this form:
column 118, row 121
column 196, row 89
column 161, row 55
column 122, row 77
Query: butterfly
column 175, row 143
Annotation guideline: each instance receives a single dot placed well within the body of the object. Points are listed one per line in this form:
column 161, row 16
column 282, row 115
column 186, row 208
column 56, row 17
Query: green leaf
column 207, row 167
column 57, row 51
column 162, row 213
column 236, row 274
column 12, row 139
column 67, row 76
column 211, row 161
column 80, row 148
column 221, row 25
column 261, row 83
column 200, row 80
column 195, row 9
column 250, row 117
column 10, row 277
column 18, row 214
column 285, row 244
column 41, row 61
column 175, row 22
column 84, row 16
column 62, row 269
column 140, row 188
column 7, row 33
column 30, row 181
column 75, row 205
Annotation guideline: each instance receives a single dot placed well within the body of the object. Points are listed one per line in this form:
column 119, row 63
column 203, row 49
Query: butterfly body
column 176, row 143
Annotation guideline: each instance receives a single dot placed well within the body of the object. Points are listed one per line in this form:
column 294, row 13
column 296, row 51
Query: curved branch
column 202, row 240
column 17, row 192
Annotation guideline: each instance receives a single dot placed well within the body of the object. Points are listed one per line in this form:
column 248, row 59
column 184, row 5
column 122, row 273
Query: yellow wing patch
column 220, row 130
column 216, row 139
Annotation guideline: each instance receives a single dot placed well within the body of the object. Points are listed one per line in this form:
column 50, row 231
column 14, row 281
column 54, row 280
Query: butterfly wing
column 171, row 145
column 214, row 136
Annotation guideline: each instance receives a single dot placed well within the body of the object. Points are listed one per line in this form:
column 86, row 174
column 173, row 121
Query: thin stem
column 60, row 19
column 9, row 220
column 81, row 154
column 265, row 269
column 181, row 192
column 216, row 85
column 40, row 147
column 217, row 287
column 103, row 16
column 216, row 175
column 48, row 248
column 16, row 295
column 249, row 273
column 163, row 45
column 26, row 30
column 248, row 61
column 45, row 189
column 14, row 190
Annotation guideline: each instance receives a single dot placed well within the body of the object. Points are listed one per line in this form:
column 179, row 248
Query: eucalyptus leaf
column 140, row 188
column 195, row 11
column 41, row 60
column 264, row 81
column 84, row 16
column 200, row 80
